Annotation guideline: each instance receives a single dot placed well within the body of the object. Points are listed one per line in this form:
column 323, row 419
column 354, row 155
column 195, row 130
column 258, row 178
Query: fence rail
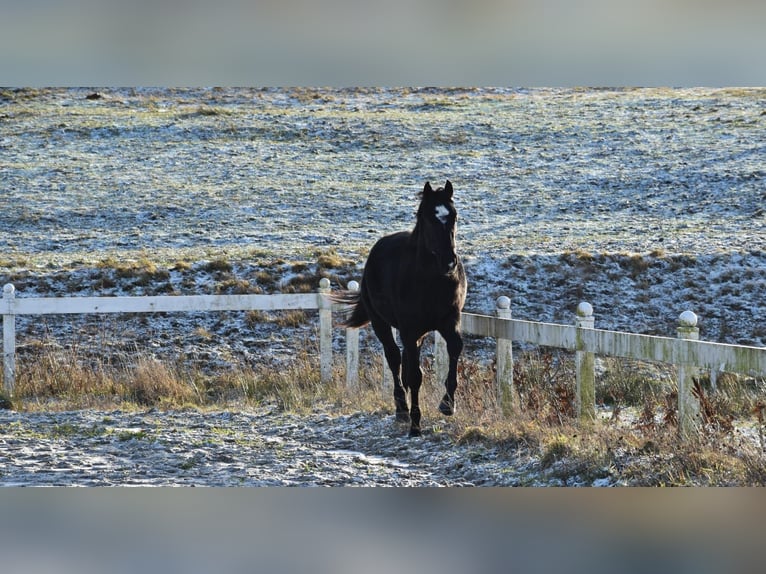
column 685, row 351
column 704, row 354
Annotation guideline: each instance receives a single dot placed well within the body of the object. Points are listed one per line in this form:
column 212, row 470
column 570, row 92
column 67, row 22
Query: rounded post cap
column 353, row 285
column 503, row 302
column 324, row 283
column 9, row 288
column 584, row 309
column 687, row 319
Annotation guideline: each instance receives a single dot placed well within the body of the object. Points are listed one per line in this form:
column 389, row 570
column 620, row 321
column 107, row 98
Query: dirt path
column 259, row 447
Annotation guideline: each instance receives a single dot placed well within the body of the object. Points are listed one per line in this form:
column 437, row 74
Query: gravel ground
column 253, row 447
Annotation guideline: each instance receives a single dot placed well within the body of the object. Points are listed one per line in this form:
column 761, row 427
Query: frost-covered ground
column 645, row 202
column 251, row 447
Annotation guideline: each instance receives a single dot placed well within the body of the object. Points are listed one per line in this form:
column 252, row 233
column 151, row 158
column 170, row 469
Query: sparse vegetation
column 330, row 259
column 206, row 111
column 290, row 318
column 218, row 266
column 636, row 444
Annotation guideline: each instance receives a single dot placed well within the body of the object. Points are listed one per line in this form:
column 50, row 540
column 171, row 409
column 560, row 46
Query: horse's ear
column 448, row 189
column 427, row 188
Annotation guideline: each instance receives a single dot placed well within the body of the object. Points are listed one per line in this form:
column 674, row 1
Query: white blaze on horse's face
column 442, row 213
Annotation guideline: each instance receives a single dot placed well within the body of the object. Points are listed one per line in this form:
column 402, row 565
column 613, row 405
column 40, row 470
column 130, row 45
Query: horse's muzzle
column 447, row 264
column 451, row 266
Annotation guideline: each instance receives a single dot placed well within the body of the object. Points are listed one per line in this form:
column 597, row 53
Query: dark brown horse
column 414, row 281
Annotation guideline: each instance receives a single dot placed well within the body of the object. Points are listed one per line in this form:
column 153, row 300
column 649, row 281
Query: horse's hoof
column 415, row 431
column 403, row 417
column 446, row 407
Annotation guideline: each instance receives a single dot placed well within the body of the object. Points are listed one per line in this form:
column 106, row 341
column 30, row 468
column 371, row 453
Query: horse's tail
column 356, row 316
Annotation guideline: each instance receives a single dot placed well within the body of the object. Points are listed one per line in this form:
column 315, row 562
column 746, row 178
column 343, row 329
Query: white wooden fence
column 685, row 351
column 11, row 306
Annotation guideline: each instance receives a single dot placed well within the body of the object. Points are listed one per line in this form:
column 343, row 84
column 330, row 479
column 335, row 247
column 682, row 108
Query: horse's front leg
column 413, row 379
column 394, row 360
column 454, row 348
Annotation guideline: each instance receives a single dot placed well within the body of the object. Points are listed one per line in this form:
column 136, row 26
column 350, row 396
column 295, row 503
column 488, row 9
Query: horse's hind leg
column 454, row 348
column 394, row 360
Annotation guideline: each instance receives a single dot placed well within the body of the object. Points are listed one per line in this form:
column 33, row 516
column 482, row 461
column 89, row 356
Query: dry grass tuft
column 218, row 266
column 152, row 382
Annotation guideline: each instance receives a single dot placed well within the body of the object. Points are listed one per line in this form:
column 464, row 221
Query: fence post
column 585, row 397
column 688, row 405
column 352, row 349
column 504, row 354
column 325, row 331
column 9, row 339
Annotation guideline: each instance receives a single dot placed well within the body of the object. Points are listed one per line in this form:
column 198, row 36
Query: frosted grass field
column 644, row 202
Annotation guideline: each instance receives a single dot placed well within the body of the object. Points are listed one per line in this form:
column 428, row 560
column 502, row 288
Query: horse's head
column 437, row 220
